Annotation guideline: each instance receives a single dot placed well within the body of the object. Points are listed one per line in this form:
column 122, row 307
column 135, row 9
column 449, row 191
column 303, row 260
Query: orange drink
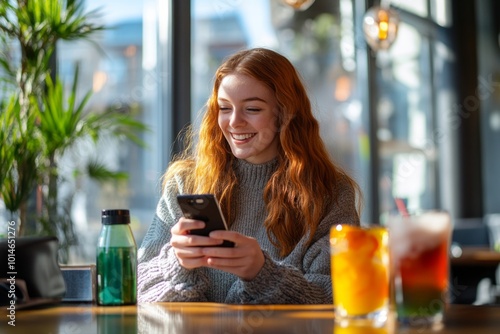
column 362, row 329
column 360, row 272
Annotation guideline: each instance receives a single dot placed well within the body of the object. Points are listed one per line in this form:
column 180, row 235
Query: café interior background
column 419, row 121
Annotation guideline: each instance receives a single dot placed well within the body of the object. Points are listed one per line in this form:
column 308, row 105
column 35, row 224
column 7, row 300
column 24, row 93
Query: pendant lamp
column 299, row 4
column 380, row 27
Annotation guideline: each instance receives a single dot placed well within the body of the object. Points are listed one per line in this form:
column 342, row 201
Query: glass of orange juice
column 360, row 273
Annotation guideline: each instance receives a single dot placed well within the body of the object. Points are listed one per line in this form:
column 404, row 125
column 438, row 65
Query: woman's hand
column 189, row 247
column 244, row 260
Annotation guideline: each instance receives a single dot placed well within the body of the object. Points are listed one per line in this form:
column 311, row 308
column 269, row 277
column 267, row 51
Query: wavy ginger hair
column 298, row 192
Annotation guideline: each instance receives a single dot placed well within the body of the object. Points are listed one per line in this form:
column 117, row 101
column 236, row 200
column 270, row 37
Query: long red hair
column 306, row 179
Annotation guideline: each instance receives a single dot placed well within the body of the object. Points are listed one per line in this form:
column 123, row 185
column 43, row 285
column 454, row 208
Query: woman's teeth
column 242, row 136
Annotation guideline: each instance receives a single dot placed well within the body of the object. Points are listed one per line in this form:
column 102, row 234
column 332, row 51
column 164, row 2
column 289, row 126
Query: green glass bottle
column 116, row 260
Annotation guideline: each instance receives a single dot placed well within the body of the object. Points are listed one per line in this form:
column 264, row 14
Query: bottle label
column 116, row 275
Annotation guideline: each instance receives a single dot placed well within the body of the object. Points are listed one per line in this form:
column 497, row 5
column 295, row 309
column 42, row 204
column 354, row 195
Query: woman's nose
column 237, row 118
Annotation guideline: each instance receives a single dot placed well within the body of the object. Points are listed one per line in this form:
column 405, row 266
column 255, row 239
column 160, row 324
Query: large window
column 120, row 70
column 488, row 98
column 427, row 97
column 406, row 122
column 128, row 70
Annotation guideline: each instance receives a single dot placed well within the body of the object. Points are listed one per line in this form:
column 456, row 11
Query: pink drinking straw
column 400, row 204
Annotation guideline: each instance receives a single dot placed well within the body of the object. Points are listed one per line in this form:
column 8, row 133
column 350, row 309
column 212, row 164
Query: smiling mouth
column 242, row 136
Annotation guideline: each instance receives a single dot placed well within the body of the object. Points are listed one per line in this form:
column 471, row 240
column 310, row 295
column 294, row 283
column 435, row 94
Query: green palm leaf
column 21, row 175
column 61, row 119
column 7, row 116
column 99, row 172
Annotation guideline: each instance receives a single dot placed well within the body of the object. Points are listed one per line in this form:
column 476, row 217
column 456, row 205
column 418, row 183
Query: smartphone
column 204, row 207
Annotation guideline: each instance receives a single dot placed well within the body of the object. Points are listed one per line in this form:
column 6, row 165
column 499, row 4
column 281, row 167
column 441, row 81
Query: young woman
column 259, row 151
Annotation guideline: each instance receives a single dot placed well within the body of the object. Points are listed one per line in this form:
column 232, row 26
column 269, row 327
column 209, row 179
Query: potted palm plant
column 39, row 121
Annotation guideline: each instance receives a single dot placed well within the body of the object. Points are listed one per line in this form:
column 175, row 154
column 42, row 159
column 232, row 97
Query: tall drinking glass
column 360, row 273
column 419, row 245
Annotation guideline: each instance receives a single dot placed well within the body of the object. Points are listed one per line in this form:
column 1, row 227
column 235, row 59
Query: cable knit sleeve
column 160, row 277
column 304, row 276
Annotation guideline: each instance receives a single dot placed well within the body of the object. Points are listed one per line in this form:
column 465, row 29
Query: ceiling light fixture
column 299, row 4
column 380, row 26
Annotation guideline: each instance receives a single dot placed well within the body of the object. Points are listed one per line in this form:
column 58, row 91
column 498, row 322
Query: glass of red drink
column 419, row 245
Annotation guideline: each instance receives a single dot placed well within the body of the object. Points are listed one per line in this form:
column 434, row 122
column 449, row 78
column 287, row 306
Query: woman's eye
column 254, row 109
column 224, row 109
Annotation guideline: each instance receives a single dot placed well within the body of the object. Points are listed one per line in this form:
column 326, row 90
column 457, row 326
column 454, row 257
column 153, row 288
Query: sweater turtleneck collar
column 251, row 175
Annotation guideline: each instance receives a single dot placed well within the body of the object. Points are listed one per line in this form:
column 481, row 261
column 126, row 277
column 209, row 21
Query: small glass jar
column 116, row 260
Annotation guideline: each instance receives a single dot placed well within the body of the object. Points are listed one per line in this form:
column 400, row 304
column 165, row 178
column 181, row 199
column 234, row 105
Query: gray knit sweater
column 302, row 277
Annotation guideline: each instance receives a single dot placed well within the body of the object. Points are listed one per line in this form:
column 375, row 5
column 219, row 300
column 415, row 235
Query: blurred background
column 419, row 121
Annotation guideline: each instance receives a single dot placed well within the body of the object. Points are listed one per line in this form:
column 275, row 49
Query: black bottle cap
column 115, row 216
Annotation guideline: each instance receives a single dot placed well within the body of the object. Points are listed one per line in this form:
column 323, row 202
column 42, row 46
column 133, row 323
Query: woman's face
column 248, row 118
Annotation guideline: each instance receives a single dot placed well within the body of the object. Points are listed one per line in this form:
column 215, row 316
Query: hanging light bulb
column 299, row 4
column 380, row 26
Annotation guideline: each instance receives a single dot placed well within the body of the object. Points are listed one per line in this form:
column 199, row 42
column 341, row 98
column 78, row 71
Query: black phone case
column 206, row 208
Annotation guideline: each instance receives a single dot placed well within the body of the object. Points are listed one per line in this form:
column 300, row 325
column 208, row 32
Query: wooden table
column 208, row 318
column 477, row 256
